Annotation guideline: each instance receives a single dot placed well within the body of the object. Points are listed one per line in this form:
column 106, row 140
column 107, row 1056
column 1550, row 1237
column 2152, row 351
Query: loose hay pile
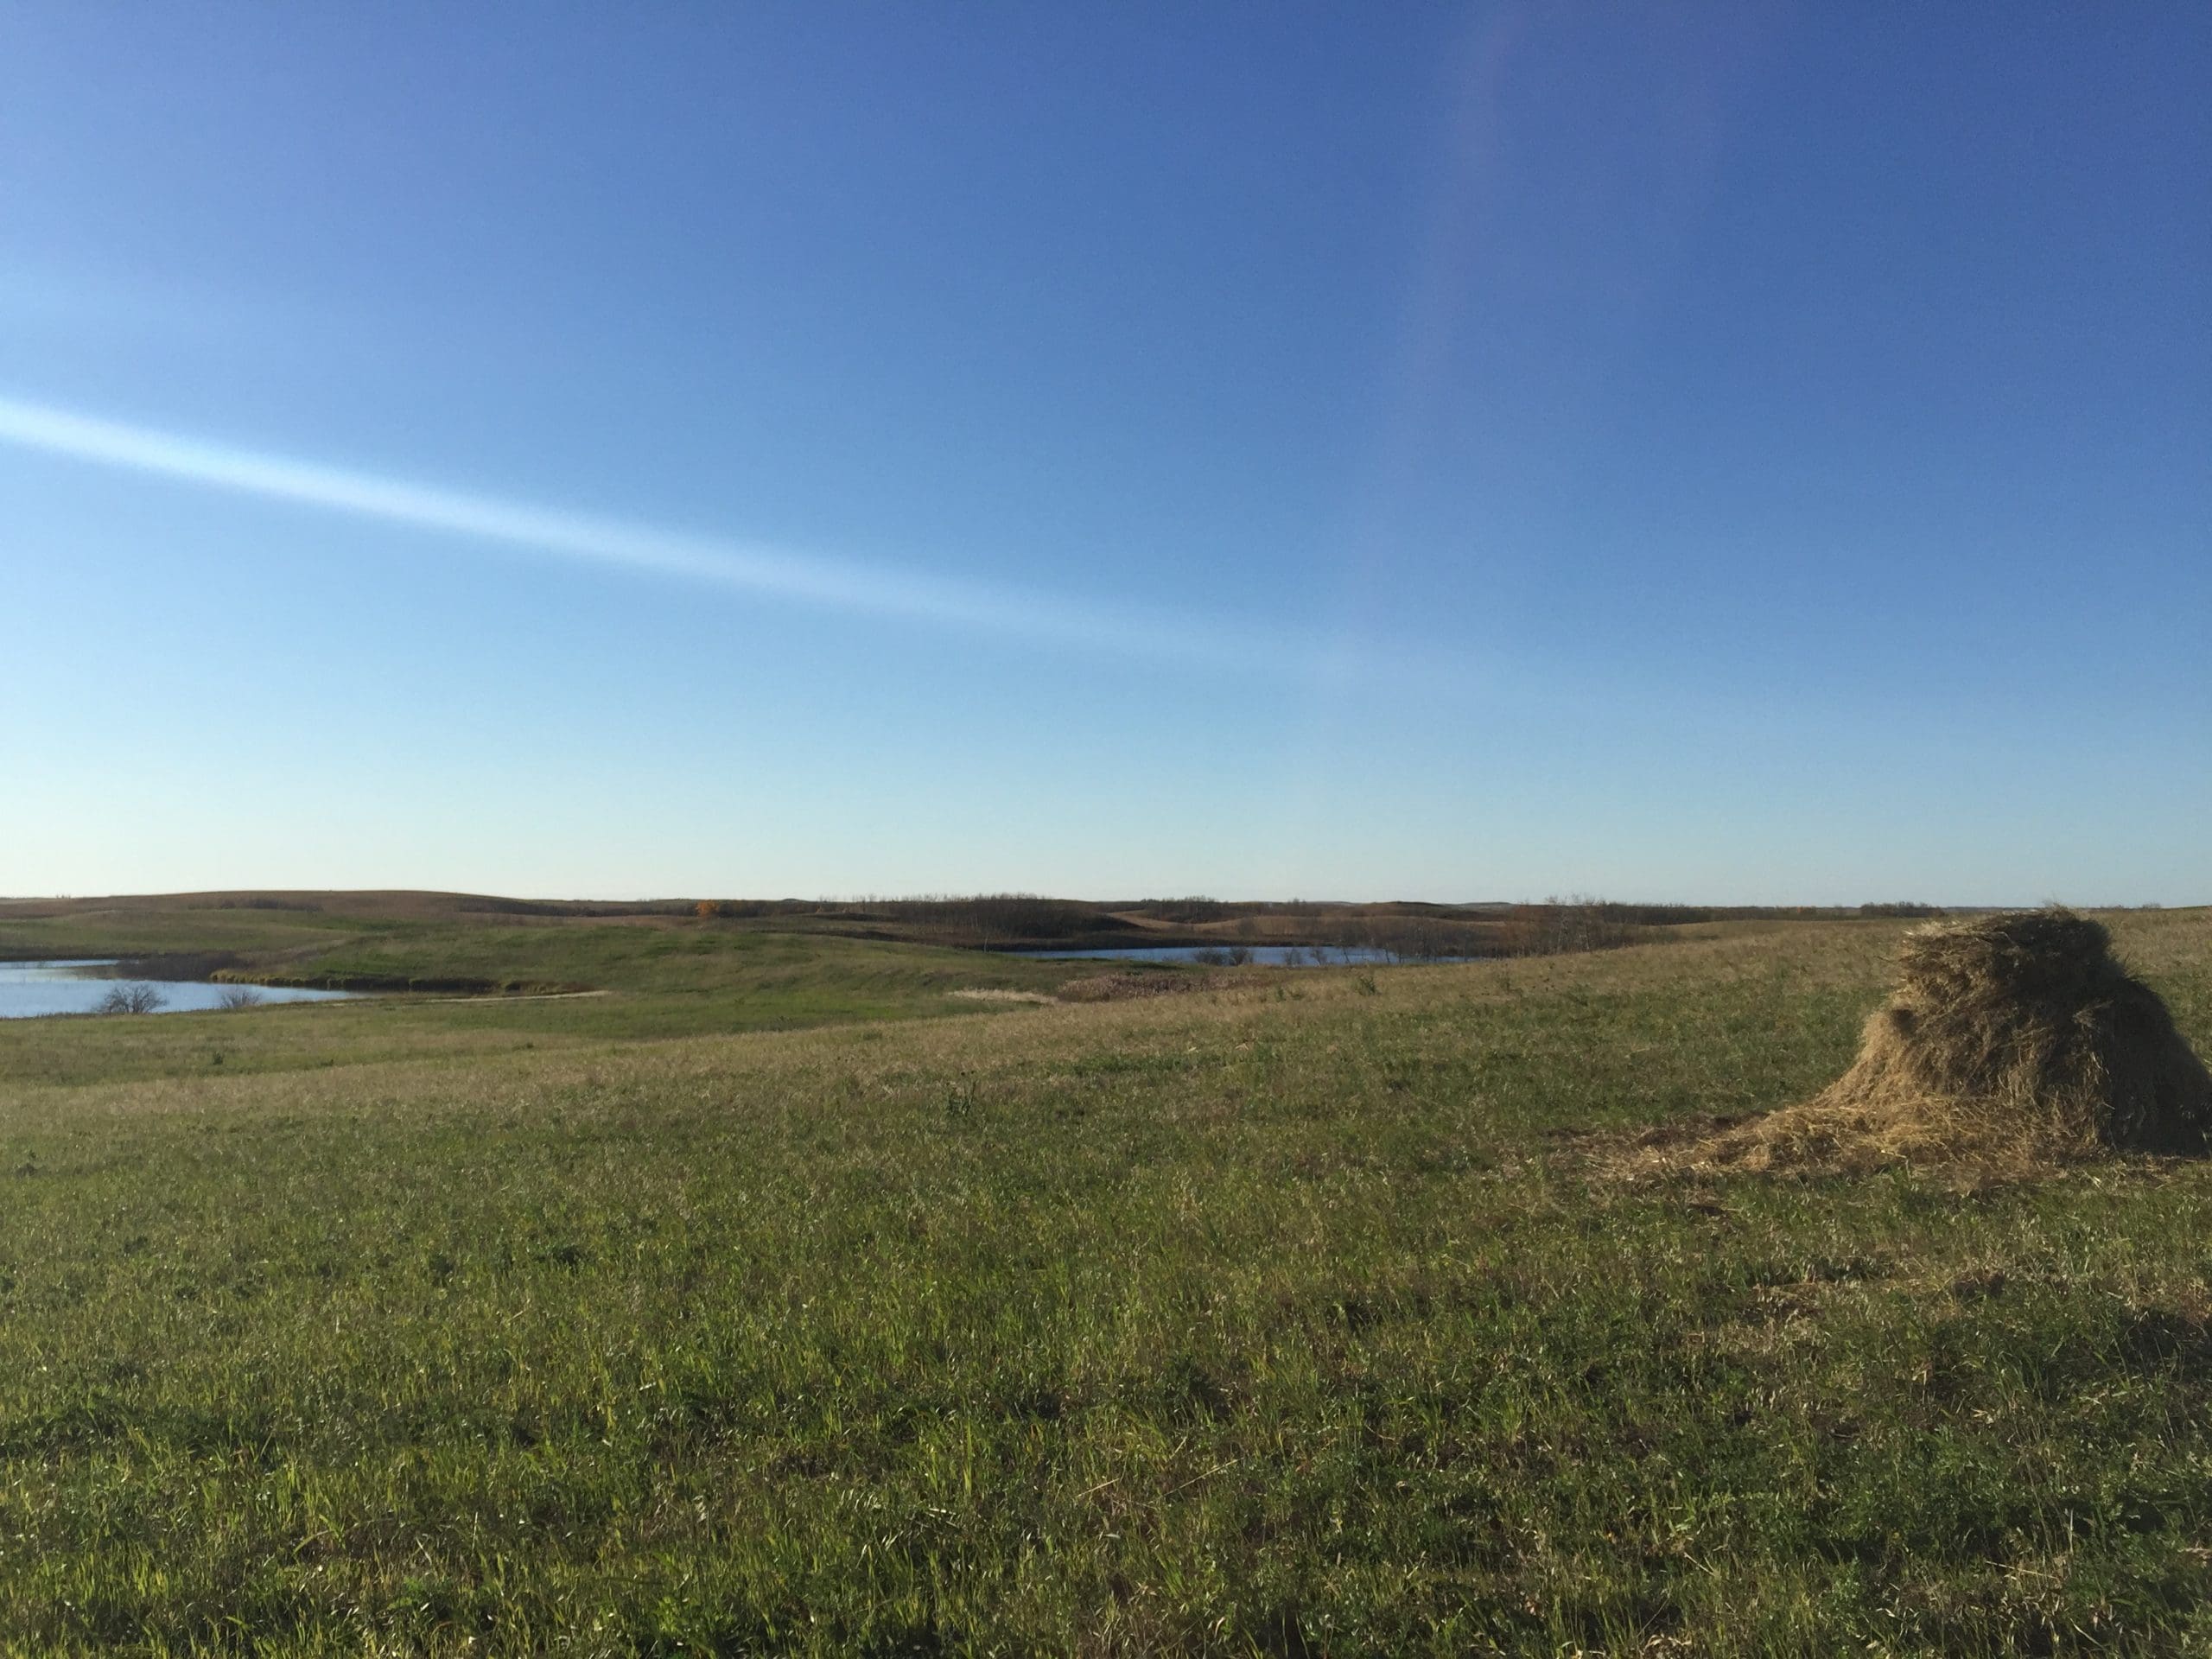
column 2013, row 1043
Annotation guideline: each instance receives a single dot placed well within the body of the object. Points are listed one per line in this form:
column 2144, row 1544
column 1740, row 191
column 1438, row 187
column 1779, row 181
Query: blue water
column 1263, row 956
column 30, row 989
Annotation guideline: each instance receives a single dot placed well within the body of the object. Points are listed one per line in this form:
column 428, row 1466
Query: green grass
column 147, row 931
column 1273, row 1319
column 649, row 980
column 685, row 958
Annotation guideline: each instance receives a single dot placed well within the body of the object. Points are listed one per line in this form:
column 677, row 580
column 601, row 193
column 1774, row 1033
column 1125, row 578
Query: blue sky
column 1753, row 453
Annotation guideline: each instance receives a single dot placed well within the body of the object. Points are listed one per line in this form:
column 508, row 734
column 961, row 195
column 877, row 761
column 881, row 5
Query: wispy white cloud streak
column 813, row 580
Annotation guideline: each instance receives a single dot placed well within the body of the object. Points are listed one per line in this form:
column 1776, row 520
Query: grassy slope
column 148, row 929
column 659, row 979
column 1256, row 1320
column 680, row 959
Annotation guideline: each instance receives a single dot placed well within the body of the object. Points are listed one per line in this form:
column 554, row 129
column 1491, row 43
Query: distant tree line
column 1563, row 927
column 585, row 907
column 1192, row 912
column 1407, row 931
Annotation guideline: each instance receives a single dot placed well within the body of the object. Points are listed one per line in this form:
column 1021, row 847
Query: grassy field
column 656, row 978
column 1282, row 1318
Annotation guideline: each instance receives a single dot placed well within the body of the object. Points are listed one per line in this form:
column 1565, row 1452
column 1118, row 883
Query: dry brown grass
column 2013, row 1045
column 1122, row 987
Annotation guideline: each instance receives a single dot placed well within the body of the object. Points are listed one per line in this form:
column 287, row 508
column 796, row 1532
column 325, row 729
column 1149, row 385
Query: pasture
column 1292, row 1314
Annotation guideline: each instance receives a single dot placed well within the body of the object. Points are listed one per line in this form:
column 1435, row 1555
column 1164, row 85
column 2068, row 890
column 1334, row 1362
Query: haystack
column 2011, row 1042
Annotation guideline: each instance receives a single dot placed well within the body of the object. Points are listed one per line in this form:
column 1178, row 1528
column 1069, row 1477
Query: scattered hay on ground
column 993, row 994
column 2013, row 1045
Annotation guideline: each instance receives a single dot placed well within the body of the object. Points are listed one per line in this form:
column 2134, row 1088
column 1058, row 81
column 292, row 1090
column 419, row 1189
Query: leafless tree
column 136, row 997
column 1558, row 926
column 239, row 996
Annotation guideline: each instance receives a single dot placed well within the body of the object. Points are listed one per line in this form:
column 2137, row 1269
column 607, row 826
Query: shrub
column 137, row 997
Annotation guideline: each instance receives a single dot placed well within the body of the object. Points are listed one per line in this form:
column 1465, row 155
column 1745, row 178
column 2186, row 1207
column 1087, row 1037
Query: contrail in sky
column 743, row 567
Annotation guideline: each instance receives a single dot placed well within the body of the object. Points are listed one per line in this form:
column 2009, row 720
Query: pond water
column 1263, row 956
column 29, row 988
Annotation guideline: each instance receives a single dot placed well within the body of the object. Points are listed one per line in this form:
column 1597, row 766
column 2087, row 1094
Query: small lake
column 1263, row 956
column 31, row 988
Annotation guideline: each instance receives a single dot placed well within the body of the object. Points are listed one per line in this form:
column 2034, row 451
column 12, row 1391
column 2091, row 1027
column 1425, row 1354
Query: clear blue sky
column 1757, row 454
